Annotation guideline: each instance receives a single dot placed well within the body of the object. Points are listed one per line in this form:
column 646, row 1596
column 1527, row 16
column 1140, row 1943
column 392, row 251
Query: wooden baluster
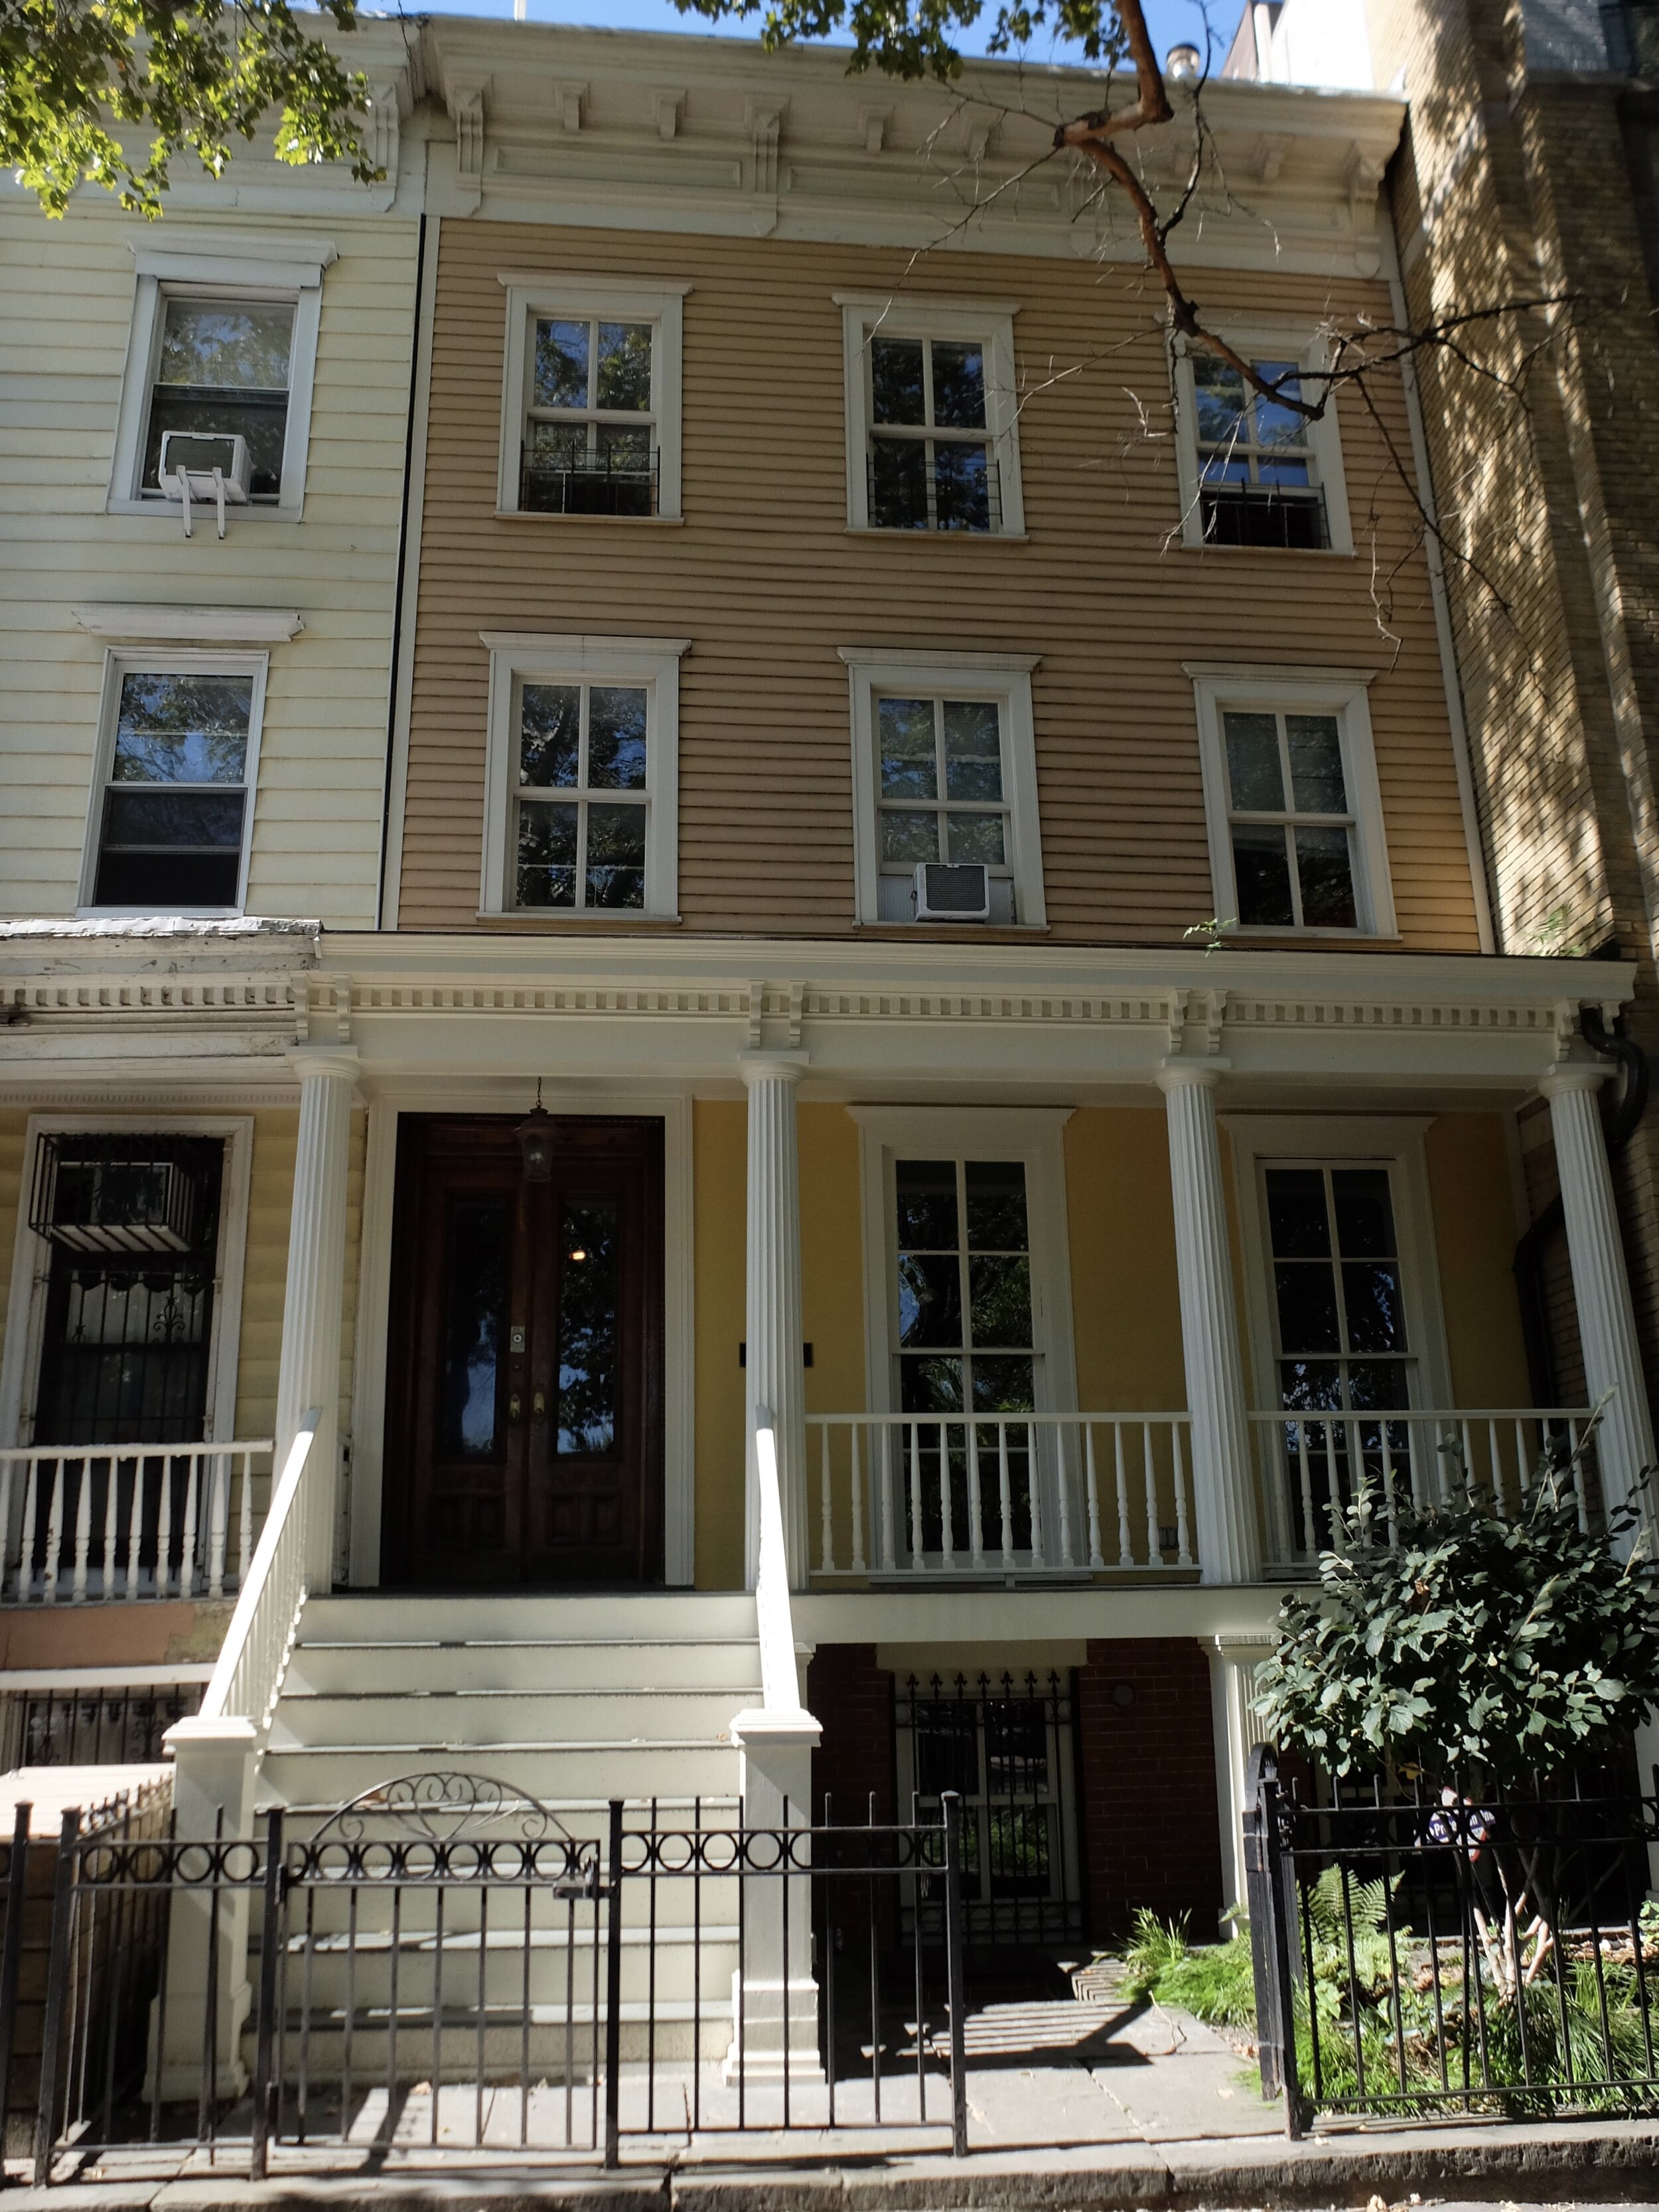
column 858, row 1502
column 1149, row 1472
column 1468, row 1453
column 8, row 1469
column 245, row 1532
column 1006, row 1492
column 1388, row 1500
column 826, row 1539
column 164, row 1532
column 135, row 1526
column 888, row 1549
column 25, row 1554
column 1309, row 1533
column 1125, row 1549
column 1063, row 1478
column 947, row 1535
column 1522, row 1462
column 1496, row 1470
column 106, row 1573
column 1034, row 1490
column 976, row 1513
column 917, row 1560
column 1095, row 1560
column 218, row 1521
column 1183, row 1537
column 187, row 1543
column 82, row 1529
column 1578, row 1479
column 54, row 1533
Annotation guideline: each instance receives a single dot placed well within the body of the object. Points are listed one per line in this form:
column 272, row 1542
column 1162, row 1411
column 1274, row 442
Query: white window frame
column 1339, row 691
column 122, row 661
column 208, row 264
column 1003, row 677
column 517, row 657
column 1262, row 342
column 661, row 302
column 20, row 1369
column 989, row 324
column 1393, row 1142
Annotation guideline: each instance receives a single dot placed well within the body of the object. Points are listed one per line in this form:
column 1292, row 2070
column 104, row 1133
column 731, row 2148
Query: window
column 224, row 340
column 223, row 368
column 173, row 808
column 944, row 772
column 591, row 409
column 1255, row 472
column 582, row 776
column 932, row 442
column 1295, row 813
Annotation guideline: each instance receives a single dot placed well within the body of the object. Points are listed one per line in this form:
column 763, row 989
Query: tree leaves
column 193, row 73
column 1514, row 1645
column 917, row 37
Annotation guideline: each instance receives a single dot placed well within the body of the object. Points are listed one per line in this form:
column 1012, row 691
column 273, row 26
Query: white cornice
column 190, row 625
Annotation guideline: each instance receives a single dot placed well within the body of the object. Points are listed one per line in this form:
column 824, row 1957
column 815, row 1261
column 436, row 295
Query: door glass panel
column 475, row 1296
column 587, row 1328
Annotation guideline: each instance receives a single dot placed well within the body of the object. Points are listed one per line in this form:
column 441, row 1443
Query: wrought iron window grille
column 601, row 485
column 1264, row 515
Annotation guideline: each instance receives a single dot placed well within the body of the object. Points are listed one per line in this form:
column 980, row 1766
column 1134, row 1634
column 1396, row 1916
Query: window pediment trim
column 190, row 625
column 285, row 258
column 901, row 661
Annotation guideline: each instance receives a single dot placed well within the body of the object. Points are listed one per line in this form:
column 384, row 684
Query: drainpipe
column 1528, row 1263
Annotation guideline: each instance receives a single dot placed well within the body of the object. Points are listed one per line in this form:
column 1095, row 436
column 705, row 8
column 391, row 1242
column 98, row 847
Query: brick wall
column 853, row 1699
column 1147, row 1785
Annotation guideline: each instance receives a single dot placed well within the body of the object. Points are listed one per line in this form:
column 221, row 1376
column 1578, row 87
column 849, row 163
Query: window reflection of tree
column 587, row 1328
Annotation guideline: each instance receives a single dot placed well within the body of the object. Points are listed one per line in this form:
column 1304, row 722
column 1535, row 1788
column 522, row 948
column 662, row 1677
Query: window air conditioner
column 205, row 465
column 952, row 890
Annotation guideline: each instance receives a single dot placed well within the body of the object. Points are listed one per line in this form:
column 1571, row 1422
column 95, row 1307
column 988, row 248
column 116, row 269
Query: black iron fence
column 1418, row 1950
column 114, row 1725
column 446, row 1965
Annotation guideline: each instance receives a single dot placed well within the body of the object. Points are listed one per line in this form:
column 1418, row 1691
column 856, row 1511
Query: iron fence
column 1418, row 1949
column 446, row 1965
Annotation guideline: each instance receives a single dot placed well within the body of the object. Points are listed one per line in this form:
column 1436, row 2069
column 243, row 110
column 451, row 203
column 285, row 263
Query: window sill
column 633, row 521
column 158, row 912
column 1346, row 939
column 172, row 510
column 959, row 933
column 582, row 924
column 940, row 537
column 1276, row 552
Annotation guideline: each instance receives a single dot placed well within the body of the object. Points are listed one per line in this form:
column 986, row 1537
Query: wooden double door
column 524, row 1429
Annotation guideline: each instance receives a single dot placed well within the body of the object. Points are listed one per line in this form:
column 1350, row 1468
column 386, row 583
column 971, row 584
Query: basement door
column 523, row 1416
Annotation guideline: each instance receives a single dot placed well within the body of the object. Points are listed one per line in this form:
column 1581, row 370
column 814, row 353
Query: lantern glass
column 535, row 1136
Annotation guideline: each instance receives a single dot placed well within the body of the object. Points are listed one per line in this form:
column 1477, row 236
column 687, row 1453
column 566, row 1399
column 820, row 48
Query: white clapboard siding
column 69, row 289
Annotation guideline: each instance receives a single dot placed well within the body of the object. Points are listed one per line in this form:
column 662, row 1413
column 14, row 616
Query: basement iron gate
column 447, row 1966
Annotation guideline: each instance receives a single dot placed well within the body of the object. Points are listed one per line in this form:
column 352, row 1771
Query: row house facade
column 859, row 965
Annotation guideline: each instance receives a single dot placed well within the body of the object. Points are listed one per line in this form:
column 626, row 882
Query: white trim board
column 20, row 1365
column 514, row 1094
column 190, row 625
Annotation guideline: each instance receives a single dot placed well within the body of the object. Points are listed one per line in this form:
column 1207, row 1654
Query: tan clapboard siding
column 766, row 581
column 69, row 290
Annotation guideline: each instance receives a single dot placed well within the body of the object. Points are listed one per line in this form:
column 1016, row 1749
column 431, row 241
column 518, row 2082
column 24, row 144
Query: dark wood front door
column 524, row 1429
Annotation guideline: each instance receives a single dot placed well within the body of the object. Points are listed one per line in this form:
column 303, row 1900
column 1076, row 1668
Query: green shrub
column 1211, row 1981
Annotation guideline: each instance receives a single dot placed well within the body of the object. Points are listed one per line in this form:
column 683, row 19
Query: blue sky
column 1169, row 21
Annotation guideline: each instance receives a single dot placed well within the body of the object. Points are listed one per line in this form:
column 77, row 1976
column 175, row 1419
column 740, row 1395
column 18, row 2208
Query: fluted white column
column 1601, row 1285
column 312, row 1302
column 771, row 1373
column 1224, row 1496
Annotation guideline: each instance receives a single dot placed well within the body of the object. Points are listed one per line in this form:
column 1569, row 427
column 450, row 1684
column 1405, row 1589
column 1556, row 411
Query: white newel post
column 1233, row 1662
column 1601, row 1285
column 313, row 1301
column 212, row 1797
column 771, row 1311
column 1229, row 1544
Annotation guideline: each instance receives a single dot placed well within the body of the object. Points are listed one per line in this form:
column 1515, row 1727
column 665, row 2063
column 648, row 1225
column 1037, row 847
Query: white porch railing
column 249, row 1672
column 98, row 1521
column 926, row 1494
column 1309, row 1465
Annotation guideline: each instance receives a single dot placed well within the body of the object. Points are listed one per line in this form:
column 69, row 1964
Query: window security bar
column 603, row 485
column 906, row 492
column 1264, row 515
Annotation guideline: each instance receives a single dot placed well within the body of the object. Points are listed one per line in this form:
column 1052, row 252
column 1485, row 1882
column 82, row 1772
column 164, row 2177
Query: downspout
column 394, row 689
column 1528, row 1263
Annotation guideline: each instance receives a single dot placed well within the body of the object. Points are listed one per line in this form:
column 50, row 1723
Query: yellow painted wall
column 1475, row 1233
column 1126, row 1308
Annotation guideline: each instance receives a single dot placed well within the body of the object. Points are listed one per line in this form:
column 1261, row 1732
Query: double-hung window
column 223, row 346
column 174, row 804
column 1255, row 470
column 582, row 776
column 931, row 421
column 943, row 779
column 591, row 404
column 1295, row 811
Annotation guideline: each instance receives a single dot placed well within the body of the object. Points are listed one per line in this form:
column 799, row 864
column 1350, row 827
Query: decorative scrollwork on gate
column 442, row 1824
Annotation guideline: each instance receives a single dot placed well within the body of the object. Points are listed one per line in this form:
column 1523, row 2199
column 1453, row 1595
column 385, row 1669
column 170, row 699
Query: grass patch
column 1212, row 1981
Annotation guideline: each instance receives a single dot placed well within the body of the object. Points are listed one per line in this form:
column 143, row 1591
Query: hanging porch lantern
column 535, row 1136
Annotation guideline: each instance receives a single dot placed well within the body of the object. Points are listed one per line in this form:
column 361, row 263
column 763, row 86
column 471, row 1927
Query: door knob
column 539, row 1407
column 513, row 1407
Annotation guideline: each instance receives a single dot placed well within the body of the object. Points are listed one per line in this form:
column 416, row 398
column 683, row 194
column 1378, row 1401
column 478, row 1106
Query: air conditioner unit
column 952, row 890
column 205, row 465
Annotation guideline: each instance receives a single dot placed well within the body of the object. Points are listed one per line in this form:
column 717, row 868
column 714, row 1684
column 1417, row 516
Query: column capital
column 772, row 1067
column 1569, row 1075
column 1174, row 1075
column 339, row 1062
